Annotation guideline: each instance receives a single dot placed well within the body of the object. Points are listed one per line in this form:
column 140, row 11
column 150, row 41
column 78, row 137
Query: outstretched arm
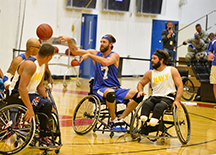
column 73, row 48
column 113, row 59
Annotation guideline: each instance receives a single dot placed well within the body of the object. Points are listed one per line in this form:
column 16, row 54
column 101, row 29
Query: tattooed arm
column 26, row 71
column 14, row 64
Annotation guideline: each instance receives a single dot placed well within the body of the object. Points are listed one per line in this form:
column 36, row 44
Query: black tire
column 86, row 114
column 15, row 134
column 182, row 123
column 135, row 124
column 188, row 89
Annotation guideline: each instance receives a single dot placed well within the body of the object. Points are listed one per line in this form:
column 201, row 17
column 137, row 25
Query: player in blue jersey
column 212, row 57
column 106, row 85
column 32, row 48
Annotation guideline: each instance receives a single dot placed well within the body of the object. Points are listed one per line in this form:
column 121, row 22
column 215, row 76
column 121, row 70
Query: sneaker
column 119, row 122
column 119, row 128
column 119, row 125
column 45, row 141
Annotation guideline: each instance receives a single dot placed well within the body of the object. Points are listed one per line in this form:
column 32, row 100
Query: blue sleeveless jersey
column 105, row 76
column 22, row 55
column 212, row 48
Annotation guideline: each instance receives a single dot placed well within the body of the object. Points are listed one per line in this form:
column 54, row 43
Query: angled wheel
column 136, row 123
column 86, row 114
column 15, row 133
column 188, row 89
column 182, row 123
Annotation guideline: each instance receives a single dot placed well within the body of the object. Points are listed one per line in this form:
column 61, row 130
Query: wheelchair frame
column 13, row 130
column 97, row 119
column 138, row 129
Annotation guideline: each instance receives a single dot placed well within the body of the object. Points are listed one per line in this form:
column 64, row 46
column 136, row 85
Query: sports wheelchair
column 173, row 117
column 188, row 86
column 91, row 113
column 16, row 134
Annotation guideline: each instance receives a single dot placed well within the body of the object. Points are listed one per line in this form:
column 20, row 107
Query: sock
column 153, row 121
column 144, row 118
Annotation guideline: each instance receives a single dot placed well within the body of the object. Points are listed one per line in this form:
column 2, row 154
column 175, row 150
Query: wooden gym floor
column 202, row 116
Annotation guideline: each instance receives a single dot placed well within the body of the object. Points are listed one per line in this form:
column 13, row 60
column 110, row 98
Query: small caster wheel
column 139, row 139
column 64, row 84
column 45, row 152
column 111, row 134
column 133, row 136
column 94, row 130
column 78, row 83
column 15, row 143
column 57, row 151
column 163, row 141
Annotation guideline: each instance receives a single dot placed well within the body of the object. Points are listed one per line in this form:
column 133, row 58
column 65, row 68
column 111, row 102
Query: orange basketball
column 56, row 49
column 44, row 31
column 67, row 52
column 74, row 62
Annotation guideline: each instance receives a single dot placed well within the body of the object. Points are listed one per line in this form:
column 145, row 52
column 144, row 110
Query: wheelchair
column 93, row 114
column 188, row 86
column 16, row 134
column 173, row 117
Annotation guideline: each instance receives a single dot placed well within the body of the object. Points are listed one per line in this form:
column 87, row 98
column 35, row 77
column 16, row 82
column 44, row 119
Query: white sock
column 153, row 121
column 143, row 118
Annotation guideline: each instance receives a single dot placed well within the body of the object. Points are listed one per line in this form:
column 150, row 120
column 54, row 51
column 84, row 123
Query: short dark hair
column 198, row 25
column 46, row 50
column 211, row 35
column 162, row 55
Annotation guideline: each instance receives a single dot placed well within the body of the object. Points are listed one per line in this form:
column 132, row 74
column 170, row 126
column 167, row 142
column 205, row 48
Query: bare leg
column 131, row 105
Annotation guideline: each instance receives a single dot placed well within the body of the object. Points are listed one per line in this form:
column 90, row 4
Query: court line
column 152, row 150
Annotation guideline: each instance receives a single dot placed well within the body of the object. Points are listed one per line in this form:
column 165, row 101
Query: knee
column 137, row 99
column 110, row 97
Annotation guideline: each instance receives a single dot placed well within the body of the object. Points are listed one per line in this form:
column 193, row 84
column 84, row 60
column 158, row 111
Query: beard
column 155, row 66
column 104, row 49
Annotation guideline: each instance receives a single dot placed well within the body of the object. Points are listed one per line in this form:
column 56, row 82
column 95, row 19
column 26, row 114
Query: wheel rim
column 188, row 89
column 182, row 124
column 86, row 114
column 15, row 134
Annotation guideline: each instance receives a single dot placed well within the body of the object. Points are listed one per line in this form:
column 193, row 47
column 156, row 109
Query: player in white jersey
column 28, row 84
column 163, row 80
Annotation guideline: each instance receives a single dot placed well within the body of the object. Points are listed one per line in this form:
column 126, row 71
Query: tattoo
column 13, row 68
column 28, row 71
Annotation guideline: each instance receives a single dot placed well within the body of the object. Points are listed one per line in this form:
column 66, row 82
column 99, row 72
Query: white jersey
column 35, row 79
column 163, row 83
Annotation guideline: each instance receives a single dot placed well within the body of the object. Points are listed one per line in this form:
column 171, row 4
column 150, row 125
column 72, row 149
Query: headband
column 160, row 56
column 108, row 38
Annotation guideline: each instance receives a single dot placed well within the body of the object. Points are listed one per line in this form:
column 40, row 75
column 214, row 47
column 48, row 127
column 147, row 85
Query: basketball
column 56, row 49
column 74, row 62
column 44, row 31
column 67, row 52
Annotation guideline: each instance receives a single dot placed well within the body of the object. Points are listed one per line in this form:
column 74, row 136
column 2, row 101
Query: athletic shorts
column 213, row 75
column 37, row 100
column 120, row 94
